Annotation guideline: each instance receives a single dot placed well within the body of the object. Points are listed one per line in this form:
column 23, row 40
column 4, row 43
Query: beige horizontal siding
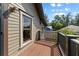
column 13, row 16
column 12, row 28
column 13, row 32
column 10, row 39
column 13, row 19
column 13, row 23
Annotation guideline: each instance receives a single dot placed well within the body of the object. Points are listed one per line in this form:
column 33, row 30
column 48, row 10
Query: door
column 38, row 36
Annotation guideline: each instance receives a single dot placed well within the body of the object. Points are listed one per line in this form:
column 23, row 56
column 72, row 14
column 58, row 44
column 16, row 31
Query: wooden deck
column 42, row 48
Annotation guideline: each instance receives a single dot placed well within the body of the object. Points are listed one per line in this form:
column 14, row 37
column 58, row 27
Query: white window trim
column 21, row 30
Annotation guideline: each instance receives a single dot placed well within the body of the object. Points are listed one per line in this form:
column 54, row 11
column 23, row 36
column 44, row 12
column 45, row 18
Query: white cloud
column 53, row 4
column 57, row 10
column 74, row 13
column 50, row 20
column 60, row 13
column 59, row 5
column 66, row 9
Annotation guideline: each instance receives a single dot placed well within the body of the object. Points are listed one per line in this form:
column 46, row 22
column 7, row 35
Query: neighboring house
column 48, row 28
column 21, row 25
column 73, row 28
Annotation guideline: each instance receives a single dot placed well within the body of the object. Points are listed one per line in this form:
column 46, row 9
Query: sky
column 52, row 9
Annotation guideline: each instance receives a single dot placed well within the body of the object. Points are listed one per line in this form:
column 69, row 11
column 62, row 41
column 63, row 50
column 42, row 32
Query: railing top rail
column 73, row 36
column 76, row 36
column 62, row 34
column 75, row 40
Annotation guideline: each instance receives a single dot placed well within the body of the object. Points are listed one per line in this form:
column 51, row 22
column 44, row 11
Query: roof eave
column 40, row 12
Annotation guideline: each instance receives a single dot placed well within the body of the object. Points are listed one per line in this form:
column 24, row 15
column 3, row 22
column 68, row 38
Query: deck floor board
column 41, row 48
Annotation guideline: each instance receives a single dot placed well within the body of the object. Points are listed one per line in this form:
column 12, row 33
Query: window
column 26, row 28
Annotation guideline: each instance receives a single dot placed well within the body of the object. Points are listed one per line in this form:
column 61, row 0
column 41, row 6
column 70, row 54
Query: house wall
column 13, row 32
column 42, row 31
column 14, row 26
column 30, row 9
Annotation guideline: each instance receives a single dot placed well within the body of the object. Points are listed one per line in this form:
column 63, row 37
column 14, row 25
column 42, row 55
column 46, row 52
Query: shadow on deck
column 42, row 48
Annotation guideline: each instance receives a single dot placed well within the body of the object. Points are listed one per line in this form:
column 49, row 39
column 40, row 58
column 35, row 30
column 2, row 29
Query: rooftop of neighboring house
column 73, row 28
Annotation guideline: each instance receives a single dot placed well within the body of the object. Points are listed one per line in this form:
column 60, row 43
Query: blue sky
column 52, row 9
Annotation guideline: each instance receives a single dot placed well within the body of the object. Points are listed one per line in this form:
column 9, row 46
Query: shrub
column 67, row 31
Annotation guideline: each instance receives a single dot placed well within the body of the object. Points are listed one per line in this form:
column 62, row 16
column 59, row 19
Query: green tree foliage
column 73, row 22
column 60, row 21
column 57, row 17
column 67, row 19
column 56, row 25
column 77, row 19
column 64, row 20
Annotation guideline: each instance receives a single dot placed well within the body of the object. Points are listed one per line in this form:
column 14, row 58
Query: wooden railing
column 63, row 43
column 74, row 47
column 67, row 45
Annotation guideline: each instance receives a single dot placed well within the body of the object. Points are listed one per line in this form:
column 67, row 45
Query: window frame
column 22, row 44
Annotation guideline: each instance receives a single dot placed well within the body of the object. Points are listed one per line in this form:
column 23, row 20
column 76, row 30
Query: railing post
column 58, row 38
column 69, row 46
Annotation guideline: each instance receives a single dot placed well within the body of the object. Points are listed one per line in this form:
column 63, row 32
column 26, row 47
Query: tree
column 57, row 17
column 56, row 25
column 68, row 19
column 77, row 19
column 63, row 20
column 73, row 22
column 60, row 21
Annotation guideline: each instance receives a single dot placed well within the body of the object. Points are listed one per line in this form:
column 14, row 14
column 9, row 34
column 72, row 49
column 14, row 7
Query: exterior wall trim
column 5, row 30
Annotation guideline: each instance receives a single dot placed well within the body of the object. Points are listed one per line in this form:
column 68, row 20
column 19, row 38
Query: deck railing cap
column 62, row 33
column 75, row 40
column 69, row 35
column 73, row 35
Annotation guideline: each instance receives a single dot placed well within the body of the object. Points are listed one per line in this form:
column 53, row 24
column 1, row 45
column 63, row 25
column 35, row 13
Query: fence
column 51, row 35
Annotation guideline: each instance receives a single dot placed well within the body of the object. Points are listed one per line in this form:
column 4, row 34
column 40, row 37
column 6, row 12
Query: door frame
column 21, row 29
